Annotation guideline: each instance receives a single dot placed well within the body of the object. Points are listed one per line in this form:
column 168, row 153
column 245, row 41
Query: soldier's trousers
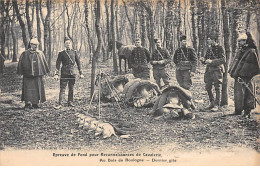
column 217, row 86
column 160, row 73
column 70, row 81
column 243, row 99
column 183, row 78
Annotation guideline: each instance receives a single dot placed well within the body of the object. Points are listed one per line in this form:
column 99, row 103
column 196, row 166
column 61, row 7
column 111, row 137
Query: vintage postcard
column 129, row 83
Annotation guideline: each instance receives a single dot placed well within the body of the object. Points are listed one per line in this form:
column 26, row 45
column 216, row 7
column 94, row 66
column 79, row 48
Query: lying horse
column 124, row 52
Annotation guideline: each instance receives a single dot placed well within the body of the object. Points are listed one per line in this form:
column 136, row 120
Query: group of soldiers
column 33, row 66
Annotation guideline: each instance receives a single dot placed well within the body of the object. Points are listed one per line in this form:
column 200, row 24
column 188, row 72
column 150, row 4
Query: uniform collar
column 33, row 51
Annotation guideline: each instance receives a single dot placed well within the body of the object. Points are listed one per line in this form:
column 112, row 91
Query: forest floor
column 50, row 129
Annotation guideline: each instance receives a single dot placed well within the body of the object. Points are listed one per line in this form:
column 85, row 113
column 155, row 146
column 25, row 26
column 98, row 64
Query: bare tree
column 98, row 49
column 226, row 29
column 194, row 35
column 28, row 19
column 21, row 22
column 113, row 36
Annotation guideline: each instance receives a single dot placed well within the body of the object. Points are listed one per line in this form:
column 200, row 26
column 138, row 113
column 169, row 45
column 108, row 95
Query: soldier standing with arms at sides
column 139, row 60
column 243, row 68
column 185, row 59
column 214, row 59
column 33, row 66
column 68, row 58
column 160, row 58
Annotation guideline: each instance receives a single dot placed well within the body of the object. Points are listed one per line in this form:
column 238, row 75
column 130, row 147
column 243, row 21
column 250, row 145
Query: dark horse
column 124, row 52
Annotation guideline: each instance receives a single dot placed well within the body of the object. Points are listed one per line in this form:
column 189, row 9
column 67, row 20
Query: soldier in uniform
column 139, row 60
column 214, row 59
column 185, row 59
column 160, row 58
column 68, row 58
column 33, row 66
column 243, row 68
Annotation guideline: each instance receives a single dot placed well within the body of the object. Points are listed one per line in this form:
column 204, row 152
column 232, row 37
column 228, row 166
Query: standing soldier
column 139, row 60
column 214, row 59
column 243, row 68
column 160, row 58
column 185, row 59
column 33, row 66
column 67, row 58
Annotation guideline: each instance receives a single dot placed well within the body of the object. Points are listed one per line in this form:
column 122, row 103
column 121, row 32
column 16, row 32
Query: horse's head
column 118, row 45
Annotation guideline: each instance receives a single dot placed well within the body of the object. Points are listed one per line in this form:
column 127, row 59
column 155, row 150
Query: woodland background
column 94, row 26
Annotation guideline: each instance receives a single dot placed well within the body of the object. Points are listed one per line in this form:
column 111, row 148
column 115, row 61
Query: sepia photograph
column 129, row 83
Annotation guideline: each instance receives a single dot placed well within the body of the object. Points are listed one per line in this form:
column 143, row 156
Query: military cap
column 183, row 37
column 137, row 39
column 66, row 39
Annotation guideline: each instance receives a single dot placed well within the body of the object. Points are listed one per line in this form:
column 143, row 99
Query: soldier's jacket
column 214, row 70
column 160, row 54
column 68, row 59
column 217, row 55
column 245, row 64
column 188, row 55
column 140, row 57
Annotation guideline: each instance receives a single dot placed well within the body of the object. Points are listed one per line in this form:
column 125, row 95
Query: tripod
column 101, row 76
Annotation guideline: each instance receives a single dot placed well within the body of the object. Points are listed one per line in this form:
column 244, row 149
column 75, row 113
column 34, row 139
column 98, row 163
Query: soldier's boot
column 247, row 113
column 217, row 102
column 211, row 105
column 211, row 97
column 61, row 98
column 28, row 105
column 237, row 112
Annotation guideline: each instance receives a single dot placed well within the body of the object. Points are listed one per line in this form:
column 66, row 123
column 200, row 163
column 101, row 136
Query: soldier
column 243, row 68
column 214, row 59
column 33, row 66
column 139, row 60
column 160, row 58
column 67, row 58
column 185, row 59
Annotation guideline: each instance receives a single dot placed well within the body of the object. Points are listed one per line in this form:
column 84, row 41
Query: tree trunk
column 108, row 28
column 28, row 20
column 87, row 26
column 49, row 53
column 224, row 98
column 98, row 49
column 113, row 38
column 131, row 23
column 179, row 31
column 200, row 25
column 2, row 37
column 143, row 27
column 194, row 35
column 149, row 11
column 22, row 24
column 38, row 20
column 169, row 20
column 116, row 17
column 248, row 16
column 14, row 37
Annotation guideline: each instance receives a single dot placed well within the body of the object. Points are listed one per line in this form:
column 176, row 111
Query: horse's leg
column 120, row 59
column 125, row 65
